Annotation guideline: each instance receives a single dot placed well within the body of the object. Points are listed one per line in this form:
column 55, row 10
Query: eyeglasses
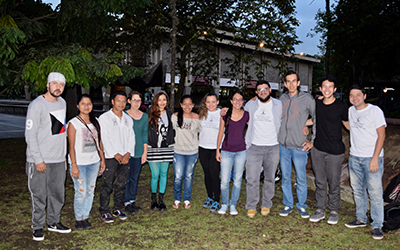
column 263, row 89
column 136, row 100
column 237, row 100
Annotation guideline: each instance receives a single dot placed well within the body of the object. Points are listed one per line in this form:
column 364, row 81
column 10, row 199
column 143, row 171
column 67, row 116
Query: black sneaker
column 136, row 208
column 38, row 235
column 59, row 228
column 86, row 224
column 355, row 224
column 377, row 234
column 130, row 210
column 79, row 225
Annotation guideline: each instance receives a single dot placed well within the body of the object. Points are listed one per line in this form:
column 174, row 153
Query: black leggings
column 211, row 168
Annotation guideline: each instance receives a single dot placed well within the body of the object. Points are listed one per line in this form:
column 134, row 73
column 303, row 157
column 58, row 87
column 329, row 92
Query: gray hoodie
column 296, row 111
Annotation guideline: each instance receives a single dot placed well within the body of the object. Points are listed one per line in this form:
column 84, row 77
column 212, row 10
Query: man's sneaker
column 233, row 210
column 59, row 228
column 215, row 207
column 135, row 207
column 38, row 235
column 208, row 203
column 223, row 209
column 286, row 211
column 333, row 218
column 79, row 225
column 303, row 213
column 318, row 215
column 377, row 234
column 265, row 211
column 120, row 214
column 130, row 209
column 107, row 218
column 86, row 224
column 355, row 224
column 251, row 213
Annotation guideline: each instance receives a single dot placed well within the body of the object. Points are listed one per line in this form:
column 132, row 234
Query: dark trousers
column 327, row 170
column 211, row 168
column 135, row 166
column 118, row 173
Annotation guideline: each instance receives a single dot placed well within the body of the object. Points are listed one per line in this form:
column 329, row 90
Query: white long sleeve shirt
column 117, row 134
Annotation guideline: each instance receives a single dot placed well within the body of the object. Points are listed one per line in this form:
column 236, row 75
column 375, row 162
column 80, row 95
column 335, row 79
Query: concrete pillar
column 106, row 97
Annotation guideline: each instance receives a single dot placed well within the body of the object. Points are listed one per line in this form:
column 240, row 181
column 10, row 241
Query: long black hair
column 92, row 118
column 180, row 112
column 229, row 114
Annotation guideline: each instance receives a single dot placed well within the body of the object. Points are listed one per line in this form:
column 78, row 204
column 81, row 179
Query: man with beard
column 45, row 157
column 263, row 148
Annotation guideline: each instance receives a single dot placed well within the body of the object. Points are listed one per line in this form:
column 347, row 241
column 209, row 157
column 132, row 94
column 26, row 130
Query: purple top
column 236, row 141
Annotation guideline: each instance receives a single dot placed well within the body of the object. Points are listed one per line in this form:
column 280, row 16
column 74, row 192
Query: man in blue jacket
column 293, row 145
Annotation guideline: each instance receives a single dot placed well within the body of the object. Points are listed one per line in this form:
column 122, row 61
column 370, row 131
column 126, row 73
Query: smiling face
column 135, row 101
column 187, row 105
column 212, row 103
column 327, row 88
column 55, row 88
column 292, row 83
column 85, row 106
column 119, row 103
column 162, row 102
column 263, row 92
column 357, row 98
column 237, row 101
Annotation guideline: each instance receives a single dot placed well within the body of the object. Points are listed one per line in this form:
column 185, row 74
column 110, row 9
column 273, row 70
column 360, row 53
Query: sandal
column 176, row 205
column 187, row 205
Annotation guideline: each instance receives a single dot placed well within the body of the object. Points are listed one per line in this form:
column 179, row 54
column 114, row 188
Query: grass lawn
column 195, row 228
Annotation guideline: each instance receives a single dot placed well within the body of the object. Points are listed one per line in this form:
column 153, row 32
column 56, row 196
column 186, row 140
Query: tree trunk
column 327, row 42
column 172, row 5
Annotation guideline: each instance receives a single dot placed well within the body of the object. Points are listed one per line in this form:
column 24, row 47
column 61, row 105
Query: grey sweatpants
column 266, row 157
column 46, row 189
column 327, row 169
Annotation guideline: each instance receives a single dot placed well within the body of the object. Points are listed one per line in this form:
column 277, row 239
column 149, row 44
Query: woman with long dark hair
column 160, row 147
column 85, row 158
column 233, row 151
column 187, row 127
column 140, row 127
column 210, row 116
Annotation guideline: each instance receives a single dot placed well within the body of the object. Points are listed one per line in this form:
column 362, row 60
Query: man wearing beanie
column 45, row 136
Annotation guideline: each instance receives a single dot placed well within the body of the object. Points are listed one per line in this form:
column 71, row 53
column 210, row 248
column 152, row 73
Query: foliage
column 364, row 41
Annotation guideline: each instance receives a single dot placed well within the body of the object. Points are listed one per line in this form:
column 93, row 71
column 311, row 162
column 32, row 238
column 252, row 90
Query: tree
column 202, row 23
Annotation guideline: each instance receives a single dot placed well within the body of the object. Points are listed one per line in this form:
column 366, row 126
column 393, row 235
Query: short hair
column 119, row 92
column 359, row 87
column 263, row 82
column 134, row 92
column 329, row 78
column 291, row 72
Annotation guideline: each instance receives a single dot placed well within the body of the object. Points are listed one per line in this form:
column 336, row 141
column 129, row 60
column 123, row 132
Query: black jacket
column 153, row 133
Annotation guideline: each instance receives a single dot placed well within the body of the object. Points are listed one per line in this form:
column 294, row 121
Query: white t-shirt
column 85, row 147
column 209, row 130
column 264, row 132
column 363, row 125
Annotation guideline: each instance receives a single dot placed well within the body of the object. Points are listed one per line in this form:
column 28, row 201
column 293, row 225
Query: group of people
column 120, row 141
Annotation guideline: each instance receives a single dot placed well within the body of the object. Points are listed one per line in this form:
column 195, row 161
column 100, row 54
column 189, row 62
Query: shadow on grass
column 194, row 228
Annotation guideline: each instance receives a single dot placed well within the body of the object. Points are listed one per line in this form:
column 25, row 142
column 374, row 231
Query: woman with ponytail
column 187, row 127
column 233, row 151
column 85, row 158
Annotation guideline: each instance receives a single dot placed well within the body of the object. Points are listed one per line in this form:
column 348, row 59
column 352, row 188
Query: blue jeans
column 229, row 159
column 299, row 158
column 84, row 189
column 135, row 166
column 183, row 170
column 361, row 180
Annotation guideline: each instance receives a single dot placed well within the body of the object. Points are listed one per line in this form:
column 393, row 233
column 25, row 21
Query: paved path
column 11, row 126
